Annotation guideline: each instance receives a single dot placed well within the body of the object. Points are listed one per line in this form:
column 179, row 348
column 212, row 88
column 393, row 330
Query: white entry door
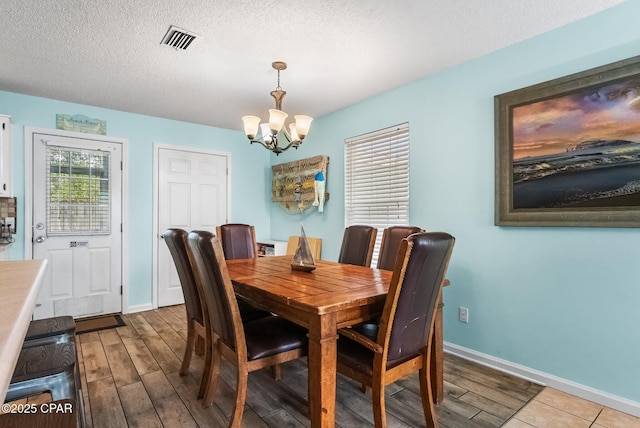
column 77, row 216
column 192, row 195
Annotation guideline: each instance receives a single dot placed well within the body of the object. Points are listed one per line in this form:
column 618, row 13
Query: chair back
column 413, row 294
column 219, row 300
column 176, row 240
column 238, row 241
column 391, row 238
column 358, row 242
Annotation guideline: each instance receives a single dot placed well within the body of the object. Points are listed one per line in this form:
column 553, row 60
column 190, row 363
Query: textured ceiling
column 107, row 53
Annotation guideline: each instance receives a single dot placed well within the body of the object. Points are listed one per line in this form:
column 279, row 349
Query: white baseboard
column 139, row 308
column 546, row 379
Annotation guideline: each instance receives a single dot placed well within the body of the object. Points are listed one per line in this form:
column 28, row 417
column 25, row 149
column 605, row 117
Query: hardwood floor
column 130, row 378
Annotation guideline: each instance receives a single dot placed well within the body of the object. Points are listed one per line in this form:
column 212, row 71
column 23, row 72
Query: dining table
column 20, row 283
column 332, row 296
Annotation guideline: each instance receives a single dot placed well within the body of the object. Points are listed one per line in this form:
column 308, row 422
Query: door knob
column 40, row 239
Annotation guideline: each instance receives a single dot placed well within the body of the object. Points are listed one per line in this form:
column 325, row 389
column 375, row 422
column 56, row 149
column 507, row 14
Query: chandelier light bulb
column 251, row 124
column 293, row 133
column 266, row 132
column 303, row 123
column 276, row 119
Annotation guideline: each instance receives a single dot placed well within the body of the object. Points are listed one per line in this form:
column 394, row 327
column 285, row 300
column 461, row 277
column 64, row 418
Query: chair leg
column 276, row 372
column 212, row 379
column 65, row 389
column 81, row 417
column 241, row 396
column 188, row 352
column 379, row 411
column 426, row 391
column 206, row 373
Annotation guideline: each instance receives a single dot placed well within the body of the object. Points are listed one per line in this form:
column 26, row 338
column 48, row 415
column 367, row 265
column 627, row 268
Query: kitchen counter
column 20, row 283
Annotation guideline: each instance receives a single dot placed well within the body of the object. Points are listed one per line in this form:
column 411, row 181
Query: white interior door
column 192, row 195
column 77, row 223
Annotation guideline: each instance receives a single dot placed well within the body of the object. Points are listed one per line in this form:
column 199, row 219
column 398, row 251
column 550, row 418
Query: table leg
column 322, row 370
column 437, row 355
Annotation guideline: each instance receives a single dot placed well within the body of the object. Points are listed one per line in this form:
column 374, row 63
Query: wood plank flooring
column 130, row 378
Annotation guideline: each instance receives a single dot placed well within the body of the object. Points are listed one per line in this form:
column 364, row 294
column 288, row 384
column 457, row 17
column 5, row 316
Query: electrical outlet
column 463, row 314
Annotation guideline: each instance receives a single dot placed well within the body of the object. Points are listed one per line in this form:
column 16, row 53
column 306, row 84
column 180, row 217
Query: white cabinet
column 272, row 248
column 6, row 159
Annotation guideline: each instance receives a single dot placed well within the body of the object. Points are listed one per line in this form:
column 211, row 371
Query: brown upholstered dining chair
column 238, row 241
column 357, row 245
column 391, row 238
column 401, row 343
column 176, row 240
column 247, row 345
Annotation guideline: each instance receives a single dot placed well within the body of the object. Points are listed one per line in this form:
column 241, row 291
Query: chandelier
column 271, row 131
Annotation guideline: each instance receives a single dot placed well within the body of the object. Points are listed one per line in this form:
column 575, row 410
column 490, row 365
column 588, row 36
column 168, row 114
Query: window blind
column 377, row 180
column 78, row 196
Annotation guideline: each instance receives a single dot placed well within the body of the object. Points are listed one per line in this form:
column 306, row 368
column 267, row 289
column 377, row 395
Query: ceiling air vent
column 178, row 38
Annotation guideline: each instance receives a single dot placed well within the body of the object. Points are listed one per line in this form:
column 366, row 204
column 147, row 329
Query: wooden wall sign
column 300, row 184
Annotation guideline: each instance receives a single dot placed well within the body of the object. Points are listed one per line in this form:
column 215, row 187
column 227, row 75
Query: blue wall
column 250, row 172
column 560, row 300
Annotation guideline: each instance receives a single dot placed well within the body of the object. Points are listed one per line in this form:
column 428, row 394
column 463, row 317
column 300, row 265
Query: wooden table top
column 20, row 283
column 331, row 287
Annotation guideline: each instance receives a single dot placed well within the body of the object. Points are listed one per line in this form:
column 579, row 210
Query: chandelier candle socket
column 269, row 132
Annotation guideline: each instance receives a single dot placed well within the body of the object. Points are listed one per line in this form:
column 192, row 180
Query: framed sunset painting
column 568, row 150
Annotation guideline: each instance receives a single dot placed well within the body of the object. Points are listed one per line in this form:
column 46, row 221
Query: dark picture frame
column 568, row 150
